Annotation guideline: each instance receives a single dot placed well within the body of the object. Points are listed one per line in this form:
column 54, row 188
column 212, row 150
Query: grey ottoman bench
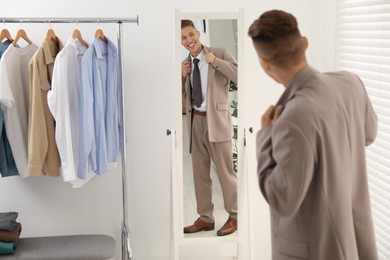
column 80, row 247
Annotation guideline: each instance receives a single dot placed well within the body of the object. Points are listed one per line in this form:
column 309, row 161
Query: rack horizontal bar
column 69, row 20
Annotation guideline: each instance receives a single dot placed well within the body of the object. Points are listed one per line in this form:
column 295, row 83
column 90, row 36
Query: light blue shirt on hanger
column 99, row 109
column 7, row 163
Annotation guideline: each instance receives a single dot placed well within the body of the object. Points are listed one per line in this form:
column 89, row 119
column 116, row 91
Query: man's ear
column 265, row 64
column 305, row 42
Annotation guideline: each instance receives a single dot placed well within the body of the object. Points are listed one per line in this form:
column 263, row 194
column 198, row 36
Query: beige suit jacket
column 223, row 69
column 312, row 170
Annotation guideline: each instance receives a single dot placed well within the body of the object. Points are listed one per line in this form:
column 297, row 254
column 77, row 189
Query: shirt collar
column 296, row 84
column 47, row 53
column 71, row 42
column 77, row 45
column 200, row 56
column 100, row 47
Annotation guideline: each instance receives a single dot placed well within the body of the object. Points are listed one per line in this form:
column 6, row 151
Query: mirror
column 207, row 244
column 213, row 196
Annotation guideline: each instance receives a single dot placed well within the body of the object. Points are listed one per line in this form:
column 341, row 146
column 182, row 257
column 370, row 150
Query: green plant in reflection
column 234, row 110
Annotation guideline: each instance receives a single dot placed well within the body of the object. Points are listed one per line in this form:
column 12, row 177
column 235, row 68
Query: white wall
column 223, row 34
column 49, row 207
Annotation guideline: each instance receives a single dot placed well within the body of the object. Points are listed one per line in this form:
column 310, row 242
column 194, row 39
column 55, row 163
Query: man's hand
column 209, row 58
column 270, row 116
column 185, row 68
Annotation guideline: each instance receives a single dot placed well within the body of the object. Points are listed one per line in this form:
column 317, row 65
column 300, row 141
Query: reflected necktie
column 196, row 85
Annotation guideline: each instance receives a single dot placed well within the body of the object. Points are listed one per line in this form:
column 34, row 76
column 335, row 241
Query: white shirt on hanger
column 14, row 98
column 63, row 100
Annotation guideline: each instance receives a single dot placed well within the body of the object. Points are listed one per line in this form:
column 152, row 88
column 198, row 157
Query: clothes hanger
column 5, row 34
column 100, row 35
column 21, row 34
column 77, row 35
column 51, row 35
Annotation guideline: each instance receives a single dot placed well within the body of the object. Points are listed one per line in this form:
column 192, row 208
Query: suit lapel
column 211, row 71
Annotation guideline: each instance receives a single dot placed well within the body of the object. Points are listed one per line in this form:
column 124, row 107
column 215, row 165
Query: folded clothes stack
column 9, row 232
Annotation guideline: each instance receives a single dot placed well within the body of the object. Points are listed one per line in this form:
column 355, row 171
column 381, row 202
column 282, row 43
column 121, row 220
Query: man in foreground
column 311, row 151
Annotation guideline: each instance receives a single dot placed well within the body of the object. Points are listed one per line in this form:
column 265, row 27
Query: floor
column 190, row 214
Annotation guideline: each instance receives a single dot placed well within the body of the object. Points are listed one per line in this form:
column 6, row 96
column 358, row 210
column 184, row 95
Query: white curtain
column 363, row 47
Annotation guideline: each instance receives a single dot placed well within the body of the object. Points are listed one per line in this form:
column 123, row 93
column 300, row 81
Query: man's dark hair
column 277, row 35
column 187, row 23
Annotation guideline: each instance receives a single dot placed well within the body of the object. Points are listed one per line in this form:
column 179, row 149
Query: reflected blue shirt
column 100, row 123
column 7, row 163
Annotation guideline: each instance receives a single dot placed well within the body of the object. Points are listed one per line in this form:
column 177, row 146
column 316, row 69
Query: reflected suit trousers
column 203, row 151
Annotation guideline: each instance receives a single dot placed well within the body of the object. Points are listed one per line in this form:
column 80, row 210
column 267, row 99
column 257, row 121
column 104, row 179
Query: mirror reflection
column 209, row 87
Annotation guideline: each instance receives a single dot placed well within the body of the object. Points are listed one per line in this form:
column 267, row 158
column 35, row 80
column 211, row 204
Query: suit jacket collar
column 211, row 70
column 206, row 49
column 296, row 84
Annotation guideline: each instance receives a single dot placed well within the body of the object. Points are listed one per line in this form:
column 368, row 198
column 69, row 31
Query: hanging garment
column 43, row 155
column 64, row 104
column 99, row 106
column 7, row 162
column 14, row 94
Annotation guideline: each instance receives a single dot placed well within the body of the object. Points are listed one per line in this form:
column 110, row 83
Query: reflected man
column 206, row 76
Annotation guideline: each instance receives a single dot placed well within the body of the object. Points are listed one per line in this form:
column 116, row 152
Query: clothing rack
column 126, row 239
column 70, row 20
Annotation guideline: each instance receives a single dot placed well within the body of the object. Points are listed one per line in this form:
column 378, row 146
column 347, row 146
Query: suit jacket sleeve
column 183, row 86
column 371, row 119
column 227, row 65
column 286, row 163
column 264, row 156
column 184, row 81
column 371, row 123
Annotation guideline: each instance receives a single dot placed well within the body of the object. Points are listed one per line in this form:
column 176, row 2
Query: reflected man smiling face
column 190, row 40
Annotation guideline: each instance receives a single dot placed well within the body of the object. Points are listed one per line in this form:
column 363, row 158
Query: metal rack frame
column 126, row 240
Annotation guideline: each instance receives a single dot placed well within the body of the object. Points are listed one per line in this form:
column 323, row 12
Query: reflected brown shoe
column 229, row 227
column 199, row 225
